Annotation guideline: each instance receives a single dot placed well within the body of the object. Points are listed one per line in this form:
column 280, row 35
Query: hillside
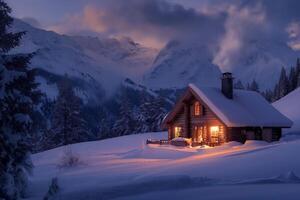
column 289, row 106
column 125, row 168
column 93, row 61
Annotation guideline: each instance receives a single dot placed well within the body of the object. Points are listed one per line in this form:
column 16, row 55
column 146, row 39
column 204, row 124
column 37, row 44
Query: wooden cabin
column 213, row 116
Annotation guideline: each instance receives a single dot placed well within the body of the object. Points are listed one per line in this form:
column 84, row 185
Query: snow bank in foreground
column 126, row 168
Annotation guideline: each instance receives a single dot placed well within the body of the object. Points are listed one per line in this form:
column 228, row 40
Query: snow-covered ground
column 292, row 112
column 126, row 168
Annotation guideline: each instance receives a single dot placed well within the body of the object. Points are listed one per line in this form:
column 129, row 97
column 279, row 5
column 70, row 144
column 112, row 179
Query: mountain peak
column 181, row 63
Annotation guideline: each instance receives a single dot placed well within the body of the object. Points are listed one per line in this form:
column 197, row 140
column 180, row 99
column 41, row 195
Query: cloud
column 293, row 29
column 87, row 22
column 153, row 22
column 225, row 26
column 257, row 22
column 242, row 25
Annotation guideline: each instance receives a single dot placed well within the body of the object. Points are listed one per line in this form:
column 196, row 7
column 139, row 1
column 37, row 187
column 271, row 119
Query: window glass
column 177, row 131
column 197, row 108
column 214, row 134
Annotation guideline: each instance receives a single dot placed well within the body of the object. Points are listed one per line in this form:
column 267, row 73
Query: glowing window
column 214, row 134
column 197, row 108
column 177, row 131
column 214, row 129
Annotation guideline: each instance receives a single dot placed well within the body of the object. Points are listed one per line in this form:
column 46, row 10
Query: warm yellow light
column 214, row 129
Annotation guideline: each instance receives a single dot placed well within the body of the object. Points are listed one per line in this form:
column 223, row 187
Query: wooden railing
column 160, row 142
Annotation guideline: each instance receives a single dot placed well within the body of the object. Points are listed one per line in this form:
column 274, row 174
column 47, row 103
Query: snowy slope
column 125, row 168
column 99, row 62
column 181, row 63
column 289, row 106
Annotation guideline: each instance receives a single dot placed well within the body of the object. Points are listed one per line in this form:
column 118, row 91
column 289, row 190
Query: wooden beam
column 187, row 120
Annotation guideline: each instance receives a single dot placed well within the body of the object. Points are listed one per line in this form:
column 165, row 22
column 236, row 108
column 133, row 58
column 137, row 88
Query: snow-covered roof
column 247, row 108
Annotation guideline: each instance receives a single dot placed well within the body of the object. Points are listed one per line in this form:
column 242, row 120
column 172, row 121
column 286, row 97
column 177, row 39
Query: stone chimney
column 227, row 85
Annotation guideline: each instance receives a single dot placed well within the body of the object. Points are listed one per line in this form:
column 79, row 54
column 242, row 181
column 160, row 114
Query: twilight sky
column 84, row 16
column 225, row 25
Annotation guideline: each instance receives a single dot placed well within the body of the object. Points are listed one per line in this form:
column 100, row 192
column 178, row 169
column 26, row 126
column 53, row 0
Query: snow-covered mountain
column 181, row 63
column 262, row 60
column 102, row 63
column 289, row 106
column 95, row 64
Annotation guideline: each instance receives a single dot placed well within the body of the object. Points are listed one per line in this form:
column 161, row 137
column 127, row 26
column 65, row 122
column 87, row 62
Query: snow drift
column 126, row 168
column 289, row 106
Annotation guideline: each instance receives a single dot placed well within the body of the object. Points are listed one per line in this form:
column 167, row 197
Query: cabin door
column 198, row 136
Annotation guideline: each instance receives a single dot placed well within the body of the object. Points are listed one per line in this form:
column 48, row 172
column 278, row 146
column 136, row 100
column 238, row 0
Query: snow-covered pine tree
column 275, row 93
column 253, row 86
column 297, row 73
column 152, row 112
column 292, row 80
column 142, row 125
column 159, row 113
column 67, row 126
column 18, row 97
column 239, row 85
column 103, row 127
column 298, row 66
column 268, row 95
column 126, row 122
column 283, row 84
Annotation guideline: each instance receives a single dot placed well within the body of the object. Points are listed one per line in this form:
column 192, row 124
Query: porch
column 200, row 134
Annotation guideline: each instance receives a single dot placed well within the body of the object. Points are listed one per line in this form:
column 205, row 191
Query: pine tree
column 298, row 82
column 18, row 98
column 253, row 86
column 268, row 95
column 297, row 73
column 126, row 122
column 298, row 65
column 275, row 93
column 283, row 84
column 239, row 85
column 67, row 126
column 159, row 114
column 104, row 126
column 292, row 81
column 152, row 112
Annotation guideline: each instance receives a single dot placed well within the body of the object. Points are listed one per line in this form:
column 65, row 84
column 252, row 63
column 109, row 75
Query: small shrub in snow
column 53, row 190
column 69, row 159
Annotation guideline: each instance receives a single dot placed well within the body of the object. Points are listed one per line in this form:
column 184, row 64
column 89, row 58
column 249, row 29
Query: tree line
column 287, row 82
